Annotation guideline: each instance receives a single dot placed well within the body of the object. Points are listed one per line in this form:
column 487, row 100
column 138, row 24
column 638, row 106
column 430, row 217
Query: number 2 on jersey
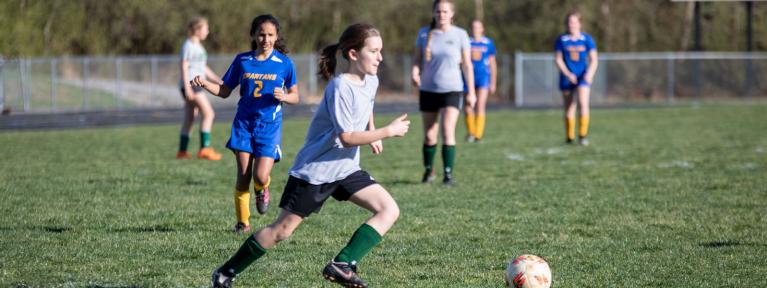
column 259, row 86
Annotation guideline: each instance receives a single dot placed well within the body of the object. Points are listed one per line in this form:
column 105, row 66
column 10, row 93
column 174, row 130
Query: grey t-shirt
column 442, row 73
column 197, row 57
column 345, row 107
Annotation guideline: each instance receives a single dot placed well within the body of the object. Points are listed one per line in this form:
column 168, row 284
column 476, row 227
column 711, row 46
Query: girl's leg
column 570, row 106
column 583, row 121
column 261, row 180
column 190, row 111
column 431, row 131
column 481, row 103
column 449, row 119
column 206, row 124
column 471, row 123
column 256, row 245
column 242, row 191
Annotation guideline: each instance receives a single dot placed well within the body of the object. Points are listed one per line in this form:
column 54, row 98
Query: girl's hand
column 279, row 94
column 416, row 80
column 589, row 78
column 572, row 78
column 398, row 127
column 198, row 82
column 377, row 147
column 471, row 98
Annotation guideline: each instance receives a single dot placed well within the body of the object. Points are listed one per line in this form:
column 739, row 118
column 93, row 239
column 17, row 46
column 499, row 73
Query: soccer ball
column 528, row 271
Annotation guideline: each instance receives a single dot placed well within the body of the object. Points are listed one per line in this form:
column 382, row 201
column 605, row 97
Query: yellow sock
column 480, row 129
column 583, row 124
column 471, row 124
column 242, row 206
column 570, row 127
column 258, row 186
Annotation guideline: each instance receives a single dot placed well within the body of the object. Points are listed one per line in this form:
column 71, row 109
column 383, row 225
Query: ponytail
column 328, row 61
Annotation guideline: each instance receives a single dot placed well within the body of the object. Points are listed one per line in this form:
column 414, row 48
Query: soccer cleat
column 183, row 155
column 471, row 138
column 583, row 141
column 448, row 179
column 428, row 176
column 241, row 228
column 208, row 153
column 262, row 201
column 221, row 279
column 344, row 274
column 569, row 141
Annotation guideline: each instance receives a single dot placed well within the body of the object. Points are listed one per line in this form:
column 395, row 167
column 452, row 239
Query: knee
column 390, row 212
column 261, row 177
column 282, row 233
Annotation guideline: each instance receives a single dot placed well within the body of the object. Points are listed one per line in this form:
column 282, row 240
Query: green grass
column 664, row 197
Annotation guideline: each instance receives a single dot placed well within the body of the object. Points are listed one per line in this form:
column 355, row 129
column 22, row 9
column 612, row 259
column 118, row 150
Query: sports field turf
column 664, row 197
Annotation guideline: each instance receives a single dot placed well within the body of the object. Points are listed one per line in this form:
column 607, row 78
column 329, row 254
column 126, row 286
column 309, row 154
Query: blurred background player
column 442, row 53
column 194, row 63
column 263, row 75
column 576, row 58
column 329, row 162
column 485, row 75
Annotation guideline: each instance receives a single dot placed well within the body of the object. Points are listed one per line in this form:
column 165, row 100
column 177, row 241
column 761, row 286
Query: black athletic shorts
column 195, row 89
column 432, row 102
column 303, row 198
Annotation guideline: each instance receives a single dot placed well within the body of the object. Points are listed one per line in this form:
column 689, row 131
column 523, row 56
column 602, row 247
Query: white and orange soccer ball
column 528, row 271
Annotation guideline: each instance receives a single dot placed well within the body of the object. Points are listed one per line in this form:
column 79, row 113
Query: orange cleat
column 183, row 155
column 208, row 153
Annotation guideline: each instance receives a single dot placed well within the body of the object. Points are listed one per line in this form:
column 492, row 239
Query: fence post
column 153, row 85
column 118, row 81
column 670, row 77
column 85, row 82
column 518, row 78
column 26, row 89
column 2, row 85
column 312, row 75
column 407, row 63
column 54, row 62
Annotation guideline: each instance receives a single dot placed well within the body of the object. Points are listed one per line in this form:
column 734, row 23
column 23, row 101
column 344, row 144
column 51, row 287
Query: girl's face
column 266, row 36
column 443, row 14
column 477, row 29
column 202, row 32
column 573, row 24
column 369, row 57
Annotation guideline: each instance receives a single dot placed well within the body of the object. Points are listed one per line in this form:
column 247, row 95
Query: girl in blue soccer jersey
column 485, row 75
column 193, row 64
column 442, row 53
column 267, row 79
column 329, row 162
column 576, row 58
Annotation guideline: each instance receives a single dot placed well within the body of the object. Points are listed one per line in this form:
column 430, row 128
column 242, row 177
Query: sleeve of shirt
column 465, row 41
column 590, row 44
column 491, row 48
column 558, row 45
column 185, row 53
column 232, row 77
column 343, row 110
column 290, row 75
column 418, row 39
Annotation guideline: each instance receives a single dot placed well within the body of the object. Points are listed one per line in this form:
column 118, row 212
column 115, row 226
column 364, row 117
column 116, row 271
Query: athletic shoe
column 583, row 141
column 471, row 138
column 448, row 179
column 569, row 141
column 344, row 274
column 221, row 279
column 183, row 155
column 208, row 153
column 428, row 176
column 262, row 201
column 241, row 228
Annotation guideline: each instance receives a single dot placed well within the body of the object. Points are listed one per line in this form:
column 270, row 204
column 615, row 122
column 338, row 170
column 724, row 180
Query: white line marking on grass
column 514, row 157
column 548, row 151
column 676, row 164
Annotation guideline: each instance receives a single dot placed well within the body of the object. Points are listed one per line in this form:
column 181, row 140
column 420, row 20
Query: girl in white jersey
column 194, row 63
column 328, row 163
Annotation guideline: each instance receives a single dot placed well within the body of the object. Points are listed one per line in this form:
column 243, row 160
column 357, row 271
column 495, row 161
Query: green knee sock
column 249, row 251
column 363, row 240
column 204, row 139
column 448, row 157
column 428, row 156
column 184, row 143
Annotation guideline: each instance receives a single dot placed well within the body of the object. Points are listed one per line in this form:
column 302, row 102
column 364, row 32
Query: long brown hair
column 352, row 38
column 195, row 24
column 432, row 25
column 256, row 25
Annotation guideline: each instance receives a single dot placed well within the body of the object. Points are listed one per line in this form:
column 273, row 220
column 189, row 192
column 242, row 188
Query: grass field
column 664, row 197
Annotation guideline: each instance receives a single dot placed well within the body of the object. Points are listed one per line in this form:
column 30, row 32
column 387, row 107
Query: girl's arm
column 563, row 68
column 212, row 75
column 219, row 90
column 593, row 64
column 377, row 146
column 188, row 93
column 415, row 73
column 468, row 72
column 493, row 74
column 397, row 128
column 291, row 97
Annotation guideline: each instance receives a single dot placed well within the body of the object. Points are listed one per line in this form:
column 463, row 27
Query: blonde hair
column 195, row 24
column 427, row 49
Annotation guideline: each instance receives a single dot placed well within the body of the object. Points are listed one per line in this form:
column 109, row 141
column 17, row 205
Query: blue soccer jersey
column 481, row 50
column 575, row 51
column 259, row 114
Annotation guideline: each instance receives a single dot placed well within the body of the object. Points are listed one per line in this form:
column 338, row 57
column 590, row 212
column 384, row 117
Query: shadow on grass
column 111, row 286
column 729, row 243
column 150, row 229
